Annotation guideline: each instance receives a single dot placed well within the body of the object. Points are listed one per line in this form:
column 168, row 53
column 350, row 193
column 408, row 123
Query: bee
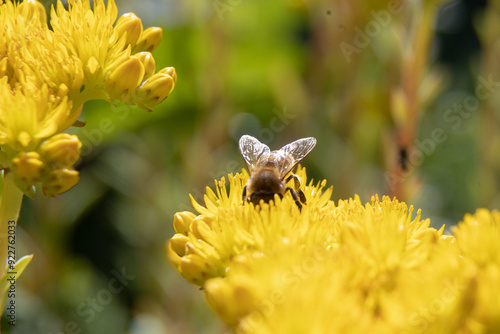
column 268, row 169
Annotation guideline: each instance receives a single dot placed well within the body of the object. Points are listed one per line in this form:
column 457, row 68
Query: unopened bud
column 149, row 40
column 154, row 90
column 59, row 181
column 178, row 244
column 182, row 220
column 28, row 167
column 149, row 63
column 61, row 148
column 196, row 269
column 124, row 79
column 231, row 302
column 130, row 24
column 170, row 71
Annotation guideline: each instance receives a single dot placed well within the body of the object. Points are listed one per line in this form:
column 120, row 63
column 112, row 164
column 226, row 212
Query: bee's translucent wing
column 294, row 152
column 252, row 151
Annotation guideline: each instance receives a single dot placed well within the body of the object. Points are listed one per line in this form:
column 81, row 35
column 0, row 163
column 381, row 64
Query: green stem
column 89, row 93
column 10, row 205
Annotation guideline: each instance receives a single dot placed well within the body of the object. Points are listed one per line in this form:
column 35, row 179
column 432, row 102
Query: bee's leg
column 244, row 197
column 295, row 197
column 301, row 196
column 296, row 183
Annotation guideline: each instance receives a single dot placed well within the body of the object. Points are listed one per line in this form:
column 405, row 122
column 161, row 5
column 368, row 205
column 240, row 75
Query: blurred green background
column 271, row 69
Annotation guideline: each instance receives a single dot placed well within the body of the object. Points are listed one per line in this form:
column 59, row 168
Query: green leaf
column 18, row 269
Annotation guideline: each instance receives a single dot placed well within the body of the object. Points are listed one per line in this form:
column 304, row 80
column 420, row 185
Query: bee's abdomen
column 264, row 185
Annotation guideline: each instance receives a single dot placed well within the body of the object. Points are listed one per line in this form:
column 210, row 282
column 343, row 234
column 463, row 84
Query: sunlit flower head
column 205, row 245
column 28, row 115
column 110, row 53
column 335, row 268
column 46, row 74
column 32, row 56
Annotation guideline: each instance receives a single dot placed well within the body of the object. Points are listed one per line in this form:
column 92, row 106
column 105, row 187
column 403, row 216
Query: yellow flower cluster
column 338, row 268
column 46, row 74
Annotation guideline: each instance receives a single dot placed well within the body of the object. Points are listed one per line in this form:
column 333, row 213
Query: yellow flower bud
column 170, row 71
column 123, row 80
column 149, row 63
column 59, row 181
column 200, row 228
column 178, row 244
column 182, row 220
column 176, row 249
column 173, row 257
column 190, row 248
column 149, row 40
column 154, row 90
column 61, row 148
column 131, row 25
column 28, row 167
column 230, row 302
column 196, row 269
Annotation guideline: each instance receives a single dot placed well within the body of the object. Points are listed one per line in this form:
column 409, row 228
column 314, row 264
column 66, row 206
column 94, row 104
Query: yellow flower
column 225, row 228
column 111, row 69
column 32, row 147
column 337, row 268
column 46, row 74
column 477, row 238
column 32, row 56
column 28, row 115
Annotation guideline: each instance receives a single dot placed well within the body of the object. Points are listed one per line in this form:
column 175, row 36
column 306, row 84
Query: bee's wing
column 252, row 151
column 294, row 152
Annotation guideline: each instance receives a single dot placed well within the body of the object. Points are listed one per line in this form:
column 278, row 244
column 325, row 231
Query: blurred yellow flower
column 337, row 268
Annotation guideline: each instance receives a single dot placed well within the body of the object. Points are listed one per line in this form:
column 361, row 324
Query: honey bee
column 268, row 169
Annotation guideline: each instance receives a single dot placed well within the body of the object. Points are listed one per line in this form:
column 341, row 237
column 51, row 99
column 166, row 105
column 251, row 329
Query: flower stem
column 89, row 93
column 10, row 205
